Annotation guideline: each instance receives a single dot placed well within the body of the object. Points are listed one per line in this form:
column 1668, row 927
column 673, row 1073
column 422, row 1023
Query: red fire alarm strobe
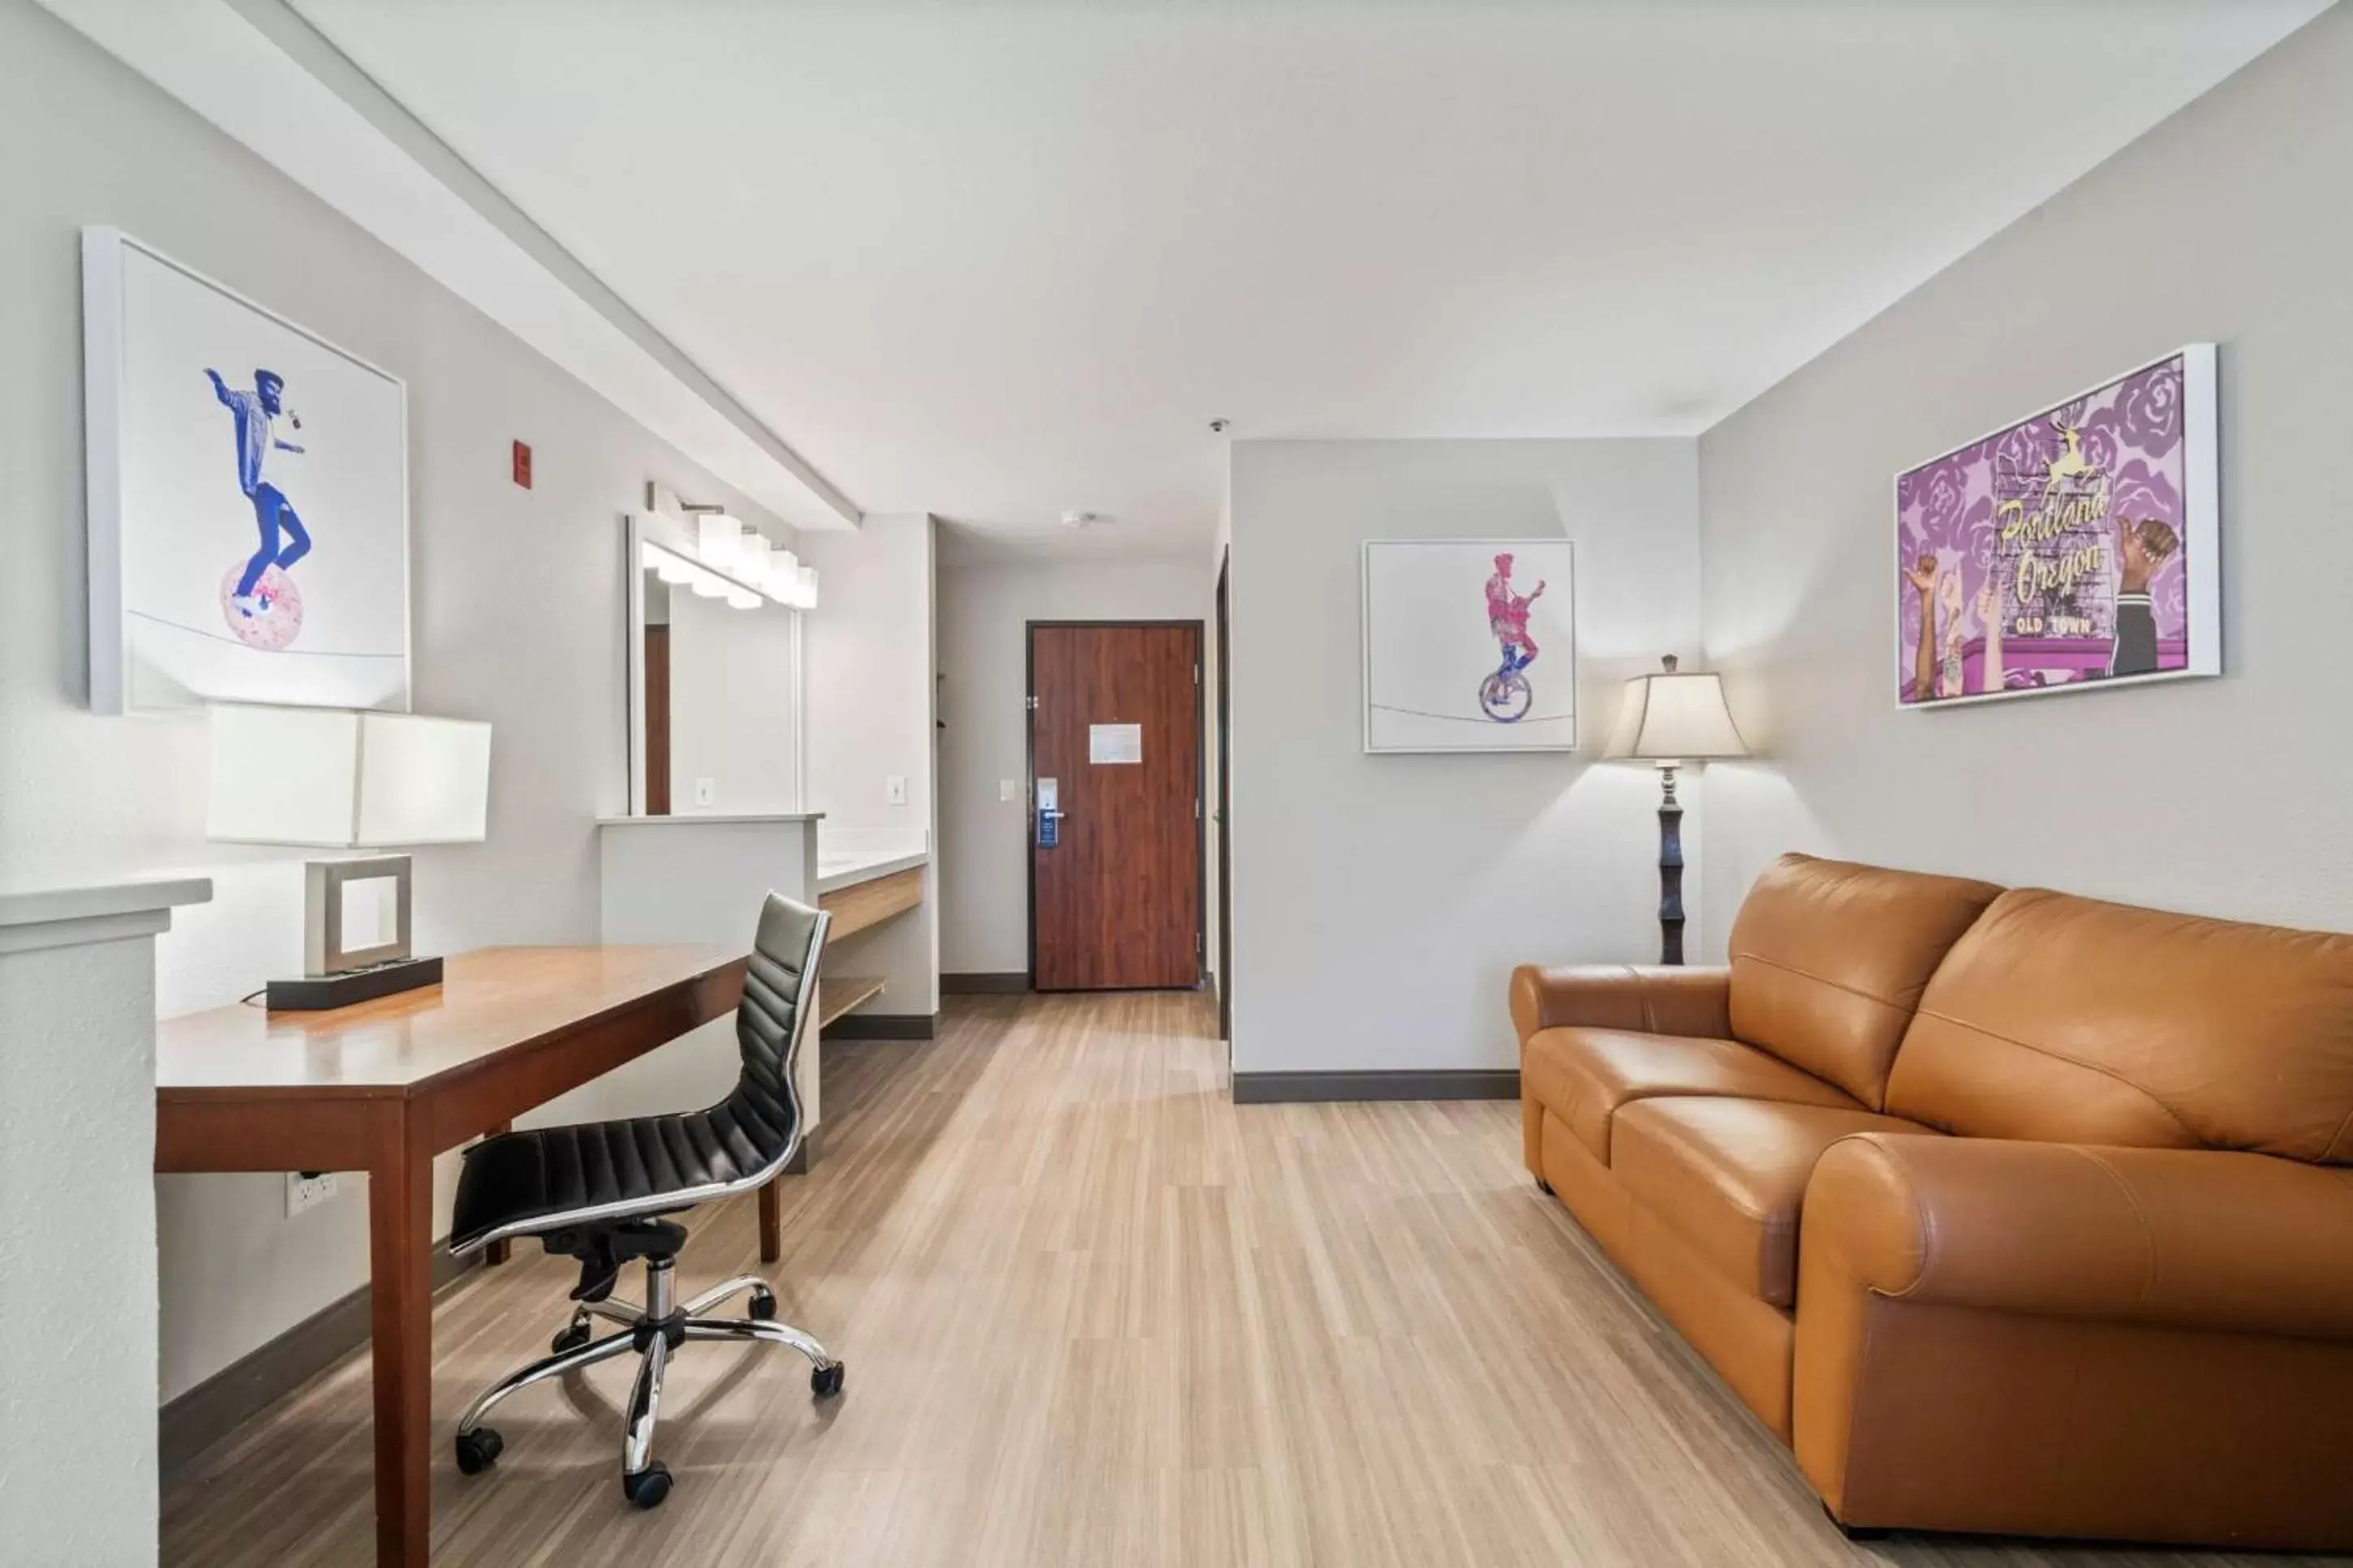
column 523, row 464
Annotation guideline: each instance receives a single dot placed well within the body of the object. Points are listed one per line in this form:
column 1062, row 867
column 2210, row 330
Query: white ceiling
column 995, row 261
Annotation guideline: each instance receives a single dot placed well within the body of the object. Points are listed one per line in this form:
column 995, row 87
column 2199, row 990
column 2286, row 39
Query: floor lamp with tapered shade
column 1669, row 719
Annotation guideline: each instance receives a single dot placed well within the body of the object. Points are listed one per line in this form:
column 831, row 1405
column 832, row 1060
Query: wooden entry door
column 1115, row 725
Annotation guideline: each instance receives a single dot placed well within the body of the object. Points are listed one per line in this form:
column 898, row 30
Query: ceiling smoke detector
column 1082, row 518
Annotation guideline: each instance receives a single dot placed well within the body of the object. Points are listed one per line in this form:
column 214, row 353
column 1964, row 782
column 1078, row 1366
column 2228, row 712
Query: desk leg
column 400, row 1253
column 772, row 1222
column 496, row 1252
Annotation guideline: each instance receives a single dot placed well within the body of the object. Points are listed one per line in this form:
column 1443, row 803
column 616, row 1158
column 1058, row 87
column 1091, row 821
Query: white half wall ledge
column 35, row 917
column 78, row 1161
column 262, row 73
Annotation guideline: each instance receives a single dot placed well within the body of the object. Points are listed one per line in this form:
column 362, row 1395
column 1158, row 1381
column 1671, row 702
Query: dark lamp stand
column 1671, row 868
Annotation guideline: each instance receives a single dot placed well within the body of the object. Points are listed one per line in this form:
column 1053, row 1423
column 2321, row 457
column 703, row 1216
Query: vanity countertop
column 839, row 868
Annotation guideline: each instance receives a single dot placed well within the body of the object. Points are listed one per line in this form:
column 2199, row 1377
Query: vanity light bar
column 748, row 568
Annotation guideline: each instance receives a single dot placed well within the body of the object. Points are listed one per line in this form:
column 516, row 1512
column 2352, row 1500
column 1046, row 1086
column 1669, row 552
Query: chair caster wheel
column 826, row 1380
column 762, row 1306
column 570, row 1338
column 478, row 1450
column 647, row 1487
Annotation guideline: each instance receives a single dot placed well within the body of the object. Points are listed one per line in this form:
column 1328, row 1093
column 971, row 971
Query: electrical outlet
column 1009, row 789
column 705, row 791
column 307, row 1192
column 895, row 789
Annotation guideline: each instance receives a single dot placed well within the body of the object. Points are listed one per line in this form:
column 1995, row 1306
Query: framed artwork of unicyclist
column 1470, row 645
column 2078, row 549
column 248, row 487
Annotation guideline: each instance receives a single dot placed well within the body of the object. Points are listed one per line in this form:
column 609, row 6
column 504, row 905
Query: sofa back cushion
column 1829, row 959
column 2071, row 1021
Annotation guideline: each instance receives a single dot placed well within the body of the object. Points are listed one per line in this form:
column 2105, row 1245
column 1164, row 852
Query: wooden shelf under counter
column 863, row 904
column 837, row 995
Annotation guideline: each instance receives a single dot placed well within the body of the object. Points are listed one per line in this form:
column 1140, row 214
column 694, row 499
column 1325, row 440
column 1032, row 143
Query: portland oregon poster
column 2075, row 549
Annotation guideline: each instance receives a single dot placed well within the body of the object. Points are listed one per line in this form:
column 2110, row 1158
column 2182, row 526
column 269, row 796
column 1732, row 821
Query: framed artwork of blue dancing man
column 248, row 498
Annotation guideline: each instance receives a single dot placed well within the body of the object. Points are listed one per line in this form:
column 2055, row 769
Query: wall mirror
column 714, row 641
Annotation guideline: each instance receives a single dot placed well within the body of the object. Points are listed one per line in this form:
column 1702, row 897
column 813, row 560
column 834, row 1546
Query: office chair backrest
column 779, row 998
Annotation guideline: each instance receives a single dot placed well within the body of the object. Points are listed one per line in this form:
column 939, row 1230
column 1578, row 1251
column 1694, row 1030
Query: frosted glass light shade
column 1675, row 717
column 334, row 778
column 668, row 566
column 718, row 540
column 780, row 576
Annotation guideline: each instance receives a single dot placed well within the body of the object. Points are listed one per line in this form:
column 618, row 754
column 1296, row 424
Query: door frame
column 1030, row 778
column 1225, row 806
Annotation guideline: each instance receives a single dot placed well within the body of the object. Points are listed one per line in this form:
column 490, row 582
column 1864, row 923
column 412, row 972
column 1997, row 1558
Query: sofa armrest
column 2183, row 1238
column 1654, row 998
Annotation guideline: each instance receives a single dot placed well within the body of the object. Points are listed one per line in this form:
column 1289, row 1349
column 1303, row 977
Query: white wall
column 985, row 606
column 517, row 616
column 1381, row 901
column 2229, row 222
column 734, row 692
column 870, row 688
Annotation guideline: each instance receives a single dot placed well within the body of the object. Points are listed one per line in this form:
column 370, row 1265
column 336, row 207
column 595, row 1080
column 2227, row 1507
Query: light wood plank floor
column 1094, row 1313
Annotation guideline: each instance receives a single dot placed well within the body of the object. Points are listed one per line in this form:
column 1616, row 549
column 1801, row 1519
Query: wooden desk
column 383, row 1087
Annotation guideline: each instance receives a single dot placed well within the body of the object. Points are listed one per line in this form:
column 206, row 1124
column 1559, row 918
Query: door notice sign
column 1114, row 743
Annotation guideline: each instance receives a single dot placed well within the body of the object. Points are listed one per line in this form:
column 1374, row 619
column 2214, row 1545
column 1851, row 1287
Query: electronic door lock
column 1049, row 814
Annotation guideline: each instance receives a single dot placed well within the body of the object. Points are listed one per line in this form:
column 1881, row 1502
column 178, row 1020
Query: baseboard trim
column 984, row 985
column 1453, row 1083
column 203, row 1415
column 881, row 1027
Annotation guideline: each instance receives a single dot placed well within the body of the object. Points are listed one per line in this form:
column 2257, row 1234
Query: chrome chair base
column 652, row 1331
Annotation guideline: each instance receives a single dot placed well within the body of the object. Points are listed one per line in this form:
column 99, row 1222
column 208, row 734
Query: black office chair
column 595, row 1191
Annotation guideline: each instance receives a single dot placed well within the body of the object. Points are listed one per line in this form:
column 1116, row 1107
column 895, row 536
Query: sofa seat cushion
column 1728, row 1176
column 1584, row 1075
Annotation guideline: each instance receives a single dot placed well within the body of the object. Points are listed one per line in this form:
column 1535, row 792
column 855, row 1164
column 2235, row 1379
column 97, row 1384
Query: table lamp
column 1669, row 719
column 333, row 778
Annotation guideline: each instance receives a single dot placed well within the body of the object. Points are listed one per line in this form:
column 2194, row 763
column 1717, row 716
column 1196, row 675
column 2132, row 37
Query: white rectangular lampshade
column 334, row 778
column 423, row 781
column 282, row 775
column 1674, row 718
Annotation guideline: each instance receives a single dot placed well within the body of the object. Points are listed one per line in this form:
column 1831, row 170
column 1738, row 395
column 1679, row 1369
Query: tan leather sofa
column 2008, row 1211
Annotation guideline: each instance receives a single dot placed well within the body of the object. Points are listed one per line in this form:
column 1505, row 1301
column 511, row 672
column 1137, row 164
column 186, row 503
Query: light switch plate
column 307, row 1192
column 1009, row 789
column 705, row 791
column 895, row 789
